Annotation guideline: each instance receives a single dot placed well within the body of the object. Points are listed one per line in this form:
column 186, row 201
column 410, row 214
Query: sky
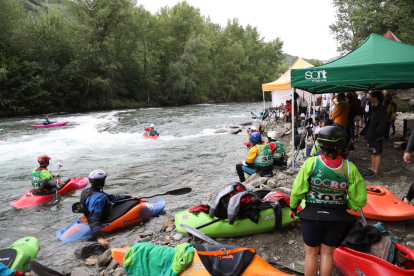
column 302, row 25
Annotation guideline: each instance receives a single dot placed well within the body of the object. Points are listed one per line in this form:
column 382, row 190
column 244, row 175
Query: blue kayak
column 122, row 215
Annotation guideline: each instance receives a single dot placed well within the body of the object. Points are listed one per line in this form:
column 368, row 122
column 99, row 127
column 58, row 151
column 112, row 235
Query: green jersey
column 38, row 175
column 264, row 157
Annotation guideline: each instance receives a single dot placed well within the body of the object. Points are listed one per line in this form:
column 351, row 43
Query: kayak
column 241, row 227
column 122, row 215
column 352, row 262
column 257, row 267
column 30, row 198
column 150, row 137
column 50, row 125
column 385, row 206
column 19, row 255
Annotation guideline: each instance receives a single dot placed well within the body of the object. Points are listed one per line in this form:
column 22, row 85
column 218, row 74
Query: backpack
column 385, row 247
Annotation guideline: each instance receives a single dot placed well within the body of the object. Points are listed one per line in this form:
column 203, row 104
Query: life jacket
column 221, row 193
column 264, row 157
column 89, row 192
column 35, row 177
column 279, row 151
column 328, row 185
column 45, row 122
column 151, row 132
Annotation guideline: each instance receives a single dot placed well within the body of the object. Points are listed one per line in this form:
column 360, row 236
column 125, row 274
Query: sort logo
column 316, row 76
column 269, row 217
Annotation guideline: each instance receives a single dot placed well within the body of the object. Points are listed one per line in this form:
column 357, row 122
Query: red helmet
column 43, row 158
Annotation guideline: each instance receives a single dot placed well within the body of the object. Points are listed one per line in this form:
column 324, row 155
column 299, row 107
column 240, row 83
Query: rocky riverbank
column 284, row 245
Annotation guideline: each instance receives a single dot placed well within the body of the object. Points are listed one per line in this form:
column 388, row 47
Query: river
column 187, row 154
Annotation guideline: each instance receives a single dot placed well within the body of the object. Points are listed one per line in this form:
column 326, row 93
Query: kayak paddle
column 363, row 217
column 42, row 270
column 56, row 198
column 76, row 207
column 198, row 234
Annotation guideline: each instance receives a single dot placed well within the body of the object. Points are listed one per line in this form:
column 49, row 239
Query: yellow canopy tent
column 281, row 89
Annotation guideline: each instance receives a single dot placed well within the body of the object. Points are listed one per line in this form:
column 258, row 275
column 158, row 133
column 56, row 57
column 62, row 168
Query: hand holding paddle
column 57, row 197
column 76, row 207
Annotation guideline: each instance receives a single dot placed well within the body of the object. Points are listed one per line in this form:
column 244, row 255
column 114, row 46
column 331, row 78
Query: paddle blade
column 59, row 163
column 198, row 234
column 76, row 208
column 42, row 270
column 181, row 191
column 56, row 199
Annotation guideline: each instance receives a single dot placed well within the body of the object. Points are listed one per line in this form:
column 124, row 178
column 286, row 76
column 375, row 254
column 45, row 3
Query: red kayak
column 30, row 199
column 385, row 206
column 150, row 137
column 351, row 262
column 50, row 125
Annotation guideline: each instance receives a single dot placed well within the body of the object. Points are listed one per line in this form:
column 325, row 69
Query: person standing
column 330, row 185
column 340, row 115
column 391, row 114
column 303, row 105
column 363, row 104
column 375, row 130
column 326, row 99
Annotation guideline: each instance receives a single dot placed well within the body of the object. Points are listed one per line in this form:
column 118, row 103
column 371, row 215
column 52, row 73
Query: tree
column 357, row 19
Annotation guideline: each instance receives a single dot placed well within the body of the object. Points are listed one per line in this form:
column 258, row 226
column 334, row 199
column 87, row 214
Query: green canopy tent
column 378, row 63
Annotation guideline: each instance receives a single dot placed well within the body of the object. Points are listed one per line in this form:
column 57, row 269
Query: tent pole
column 293, row 128
column 314, row 96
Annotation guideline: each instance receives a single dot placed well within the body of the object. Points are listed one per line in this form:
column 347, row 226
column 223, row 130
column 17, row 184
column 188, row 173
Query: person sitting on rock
column 278, row 150
column 46, row 121
column 253, row 129
column 150, row 131
column 41, row 178
column 259, row 159
column 330, row 185
column 96, row 204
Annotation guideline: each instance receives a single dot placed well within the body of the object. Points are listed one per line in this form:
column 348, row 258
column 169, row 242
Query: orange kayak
column 384, row 205
column 257, row 267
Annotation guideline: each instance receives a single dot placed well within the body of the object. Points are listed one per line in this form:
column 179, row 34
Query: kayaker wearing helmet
column 277, row 148
column 5, row 271
column 330, row 185
column 96, row 204
column 252, row 130
column 46, row 121
column 41, row 178
column 259, row 159
column 151, row 131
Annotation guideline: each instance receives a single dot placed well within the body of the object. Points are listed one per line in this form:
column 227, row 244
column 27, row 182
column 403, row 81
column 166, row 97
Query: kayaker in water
column 46, row 121
column 151, row 131
column 96, row 204
column 5, row 271
column 41, row 178
column 259, row 159
column 330, row 185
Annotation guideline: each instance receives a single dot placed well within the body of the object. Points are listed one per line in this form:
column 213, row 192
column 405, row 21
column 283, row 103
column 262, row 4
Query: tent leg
column 293, row 127
column 314, row 104
column 264, row 103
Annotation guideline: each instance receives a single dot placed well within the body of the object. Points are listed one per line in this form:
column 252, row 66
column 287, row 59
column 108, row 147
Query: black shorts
column 375, row 147
column 316, row 232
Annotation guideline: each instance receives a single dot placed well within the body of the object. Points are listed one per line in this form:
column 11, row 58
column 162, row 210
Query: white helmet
column 253, row 128
column 152, row 125
column 302, row 115
column 272, row 135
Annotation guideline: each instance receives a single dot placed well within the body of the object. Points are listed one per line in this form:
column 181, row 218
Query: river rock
column 105, row 258
column 411, row 102
column 92, row 248
column 82, row 271
column 235, row 131
column 257, row 182
column 168, row 222
column 91, row 261
column 102, row 116
column 272, row 183
column 410, row 245
column 285, row 190
column 108, row 272
column 169, row 229
column 178, row 236
column 251, row 178
column 281, row 176
column 233, row 126
column 265, row 256
column 146, row 239
column 247, row 123
column 186, row 239
column 119, row 271
column 221, row 130
column 112, row 265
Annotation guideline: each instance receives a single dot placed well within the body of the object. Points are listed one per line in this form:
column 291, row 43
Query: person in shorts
column 330, row 185
column 374, row 134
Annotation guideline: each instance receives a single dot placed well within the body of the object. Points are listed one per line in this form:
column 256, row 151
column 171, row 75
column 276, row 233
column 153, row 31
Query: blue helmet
column 97, row 178
column 261, row 112
column 255, row 137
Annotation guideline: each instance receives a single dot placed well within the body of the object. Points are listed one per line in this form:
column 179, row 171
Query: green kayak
column 19, row 255
column 241, row 227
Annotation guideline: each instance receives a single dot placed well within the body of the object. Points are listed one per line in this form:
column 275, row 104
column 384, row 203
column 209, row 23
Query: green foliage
column 87, row 54
column 357, row 19
column 403, row 106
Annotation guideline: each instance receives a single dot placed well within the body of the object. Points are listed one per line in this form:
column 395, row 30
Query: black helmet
column 97, row 178
column 332, row 137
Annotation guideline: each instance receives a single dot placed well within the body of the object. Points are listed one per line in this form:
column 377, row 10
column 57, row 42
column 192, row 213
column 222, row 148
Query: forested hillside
column 81, row 55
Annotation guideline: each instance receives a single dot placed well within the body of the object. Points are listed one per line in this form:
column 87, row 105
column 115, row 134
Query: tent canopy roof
column 283, row 82
column 378, row 63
